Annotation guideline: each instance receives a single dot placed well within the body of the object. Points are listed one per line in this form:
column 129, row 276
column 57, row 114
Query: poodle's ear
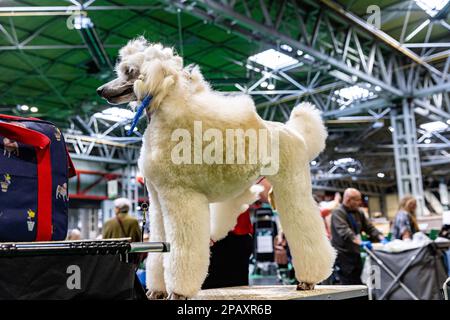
column 157, row 78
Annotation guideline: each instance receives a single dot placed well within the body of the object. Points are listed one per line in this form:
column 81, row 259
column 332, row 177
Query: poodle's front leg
column 312, row 254
column 155, row 271
column 186, row 221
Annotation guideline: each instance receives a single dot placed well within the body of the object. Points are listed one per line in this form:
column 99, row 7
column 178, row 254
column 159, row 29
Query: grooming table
column 279, row 292
column 60, row 270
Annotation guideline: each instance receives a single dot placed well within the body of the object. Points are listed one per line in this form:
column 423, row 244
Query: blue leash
column 140, row 110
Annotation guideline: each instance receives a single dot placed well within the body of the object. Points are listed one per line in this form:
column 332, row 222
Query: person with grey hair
column 74, row 234
column 122, row 225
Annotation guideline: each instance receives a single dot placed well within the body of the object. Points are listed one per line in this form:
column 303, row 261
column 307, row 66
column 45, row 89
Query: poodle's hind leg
column 186, row 222
column 155, row 271
column 312, row 253
column 224, row 214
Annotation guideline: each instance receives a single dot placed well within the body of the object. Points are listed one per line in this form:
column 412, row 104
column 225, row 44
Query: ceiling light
column 351, row 170
column 434, row 126
column 352, row 93
column 273, row 59
column 34, row 109
column 24, row 107
column 128, row 127
column 391, row 129
column 377, row 88
column 427, row 141
column 271, row 86
column 286, row 47
column 448, row 121
column 115, row 114
column 431, row 7
column 299, row 52
column 380, row 175
column 313, row 163
column 264, row 84
column 82, row 22
column 344, row 161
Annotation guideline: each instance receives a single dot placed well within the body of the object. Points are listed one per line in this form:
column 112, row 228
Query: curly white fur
column 192, row 203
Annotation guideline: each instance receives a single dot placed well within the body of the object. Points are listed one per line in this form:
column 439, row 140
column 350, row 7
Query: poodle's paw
column 303, row 286
column 175, row 296
column 156, row 295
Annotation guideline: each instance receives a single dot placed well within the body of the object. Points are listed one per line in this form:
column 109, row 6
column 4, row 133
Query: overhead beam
column 377, row 33
column 272, row 37
column 425, row 92
column 356, row 108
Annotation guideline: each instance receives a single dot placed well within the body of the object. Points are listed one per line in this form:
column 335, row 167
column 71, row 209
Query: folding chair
column 396, row 278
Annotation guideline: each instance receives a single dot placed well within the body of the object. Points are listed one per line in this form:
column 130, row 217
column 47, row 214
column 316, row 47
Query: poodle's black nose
column 100, row 91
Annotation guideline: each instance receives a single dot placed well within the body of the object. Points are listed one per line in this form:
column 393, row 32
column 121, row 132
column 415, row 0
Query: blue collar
column 144, row 104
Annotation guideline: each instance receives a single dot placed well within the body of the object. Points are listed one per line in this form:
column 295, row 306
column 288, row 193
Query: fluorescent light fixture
column 353, row 93
column 24, row 107
column 115, row 114
column 82, row 22
column 128, row 127
column 343, row 161
column 431, row 7
column 286, row 47
column 380, row 175
column 264, row 84
column 34, row 109
column 273, row 59
column 271, row 86
column 434, row 126
column 427, row 141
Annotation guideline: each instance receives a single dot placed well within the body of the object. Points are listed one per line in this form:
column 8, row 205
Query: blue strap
column 145, row 102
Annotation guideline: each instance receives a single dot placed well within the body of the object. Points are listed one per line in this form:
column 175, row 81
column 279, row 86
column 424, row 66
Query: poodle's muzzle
column 117, row 91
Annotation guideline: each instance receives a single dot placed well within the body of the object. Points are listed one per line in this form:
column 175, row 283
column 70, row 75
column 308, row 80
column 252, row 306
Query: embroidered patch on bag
column 57, row 134
column 30, row 220
column 6, row 182
column 10, row 147
column 61, row 192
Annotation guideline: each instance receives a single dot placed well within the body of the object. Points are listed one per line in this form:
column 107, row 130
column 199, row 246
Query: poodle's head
column 143, row 69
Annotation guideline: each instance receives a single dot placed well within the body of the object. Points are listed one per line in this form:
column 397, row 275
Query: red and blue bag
column 34, row 171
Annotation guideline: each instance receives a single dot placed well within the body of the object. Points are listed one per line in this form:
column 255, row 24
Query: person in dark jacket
column 347, row 223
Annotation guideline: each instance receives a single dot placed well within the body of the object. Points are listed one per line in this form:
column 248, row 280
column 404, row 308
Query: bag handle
column 24, row 135
column 41, row 143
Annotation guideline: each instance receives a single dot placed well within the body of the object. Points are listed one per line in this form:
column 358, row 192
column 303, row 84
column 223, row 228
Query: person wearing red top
column 229, row 260
column 230, row 256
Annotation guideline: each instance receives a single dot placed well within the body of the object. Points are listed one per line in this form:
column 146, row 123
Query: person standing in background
column 347, row 223
column 122, row 225
column 405, row 222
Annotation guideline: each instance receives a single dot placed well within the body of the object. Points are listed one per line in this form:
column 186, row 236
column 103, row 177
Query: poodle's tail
column 306, row 120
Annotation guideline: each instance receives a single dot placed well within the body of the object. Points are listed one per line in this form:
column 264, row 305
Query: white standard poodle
column 198, row 184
